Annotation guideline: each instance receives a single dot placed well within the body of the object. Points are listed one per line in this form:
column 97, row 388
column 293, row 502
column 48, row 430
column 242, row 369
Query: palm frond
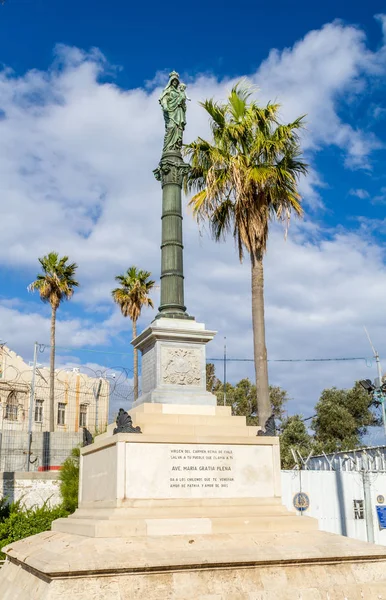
column 216, row 112
column 248, row 174
column 57, row 282
column 237, row 103
column 222, row 218
column 132, row 294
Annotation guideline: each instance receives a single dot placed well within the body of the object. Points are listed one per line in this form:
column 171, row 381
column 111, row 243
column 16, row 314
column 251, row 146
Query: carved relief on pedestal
column 181, row 366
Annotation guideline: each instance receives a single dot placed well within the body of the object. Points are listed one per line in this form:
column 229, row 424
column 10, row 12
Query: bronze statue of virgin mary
column 173, row 102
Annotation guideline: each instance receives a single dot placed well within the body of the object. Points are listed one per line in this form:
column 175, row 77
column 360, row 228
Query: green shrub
column 23, row 522
column 69, row 481
column 18, row 522
column 5, row 508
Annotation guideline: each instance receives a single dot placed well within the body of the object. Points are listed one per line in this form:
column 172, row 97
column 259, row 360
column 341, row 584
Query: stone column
column 170, row 172
column 173, row 346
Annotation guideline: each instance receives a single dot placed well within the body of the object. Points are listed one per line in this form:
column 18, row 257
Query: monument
column 173, row 346
column 181, row 500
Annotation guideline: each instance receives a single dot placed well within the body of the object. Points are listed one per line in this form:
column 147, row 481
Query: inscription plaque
column 201, row 468
column 198, row 470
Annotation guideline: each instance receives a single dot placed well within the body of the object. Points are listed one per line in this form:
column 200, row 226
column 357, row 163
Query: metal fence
column 38, row 432
column 372, row 459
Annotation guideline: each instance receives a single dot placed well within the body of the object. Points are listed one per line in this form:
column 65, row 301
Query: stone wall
column 32, row 489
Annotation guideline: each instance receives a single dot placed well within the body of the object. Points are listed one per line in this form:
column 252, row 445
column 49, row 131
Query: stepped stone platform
column 193, row 469
column 186, row 420
column 187, row 517
column 259, row 566
column 188, row 509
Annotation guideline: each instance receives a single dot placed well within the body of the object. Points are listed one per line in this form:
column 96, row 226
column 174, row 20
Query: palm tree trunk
column 135, row 362
column 260, row 351
column 52, row 370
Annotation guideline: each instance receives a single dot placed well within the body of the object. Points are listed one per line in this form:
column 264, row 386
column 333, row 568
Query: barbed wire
column 92, row 350
column 89, row 377
column 85, row 396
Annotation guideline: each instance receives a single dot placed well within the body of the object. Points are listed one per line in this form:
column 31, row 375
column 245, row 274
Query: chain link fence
column 86, row 397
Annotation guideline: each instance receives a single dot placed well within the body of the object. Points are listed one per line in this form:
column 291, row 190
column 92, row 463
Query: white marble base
column 212, row 475
column 163, row 471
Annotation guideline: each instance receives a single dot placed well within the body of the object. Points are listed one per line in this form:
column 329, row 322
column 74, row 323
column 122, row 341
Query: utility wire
column 367, row 360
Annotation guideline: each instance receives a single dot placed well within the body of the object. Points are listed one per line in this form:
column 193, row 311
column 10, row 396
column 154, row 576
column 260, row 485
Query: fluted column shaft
column 170, row 172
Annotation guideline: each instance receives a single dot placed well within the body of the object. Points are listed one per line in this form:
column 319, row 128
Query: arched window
column 39, row 411
column 11, row 407
column 83, row 415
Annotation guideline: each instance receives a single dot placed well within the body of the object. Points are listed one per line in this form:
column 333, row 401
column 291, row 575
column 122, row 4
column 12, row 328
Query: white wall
column 331, row 495
column 32, row 489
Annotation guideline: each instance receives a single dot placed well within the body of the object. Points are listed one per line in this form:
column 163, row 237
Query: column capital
column 171, row 169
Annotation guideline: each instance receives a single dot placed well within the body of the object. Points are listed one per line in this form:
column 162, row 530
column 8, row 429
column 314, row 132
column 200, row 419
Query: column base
column 173, row 361
column 173, row 314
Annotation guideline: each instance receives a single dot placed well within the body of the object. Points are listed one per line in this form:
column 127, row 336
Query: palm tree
column 131, row 296
column 54, row 285
column 245, row 178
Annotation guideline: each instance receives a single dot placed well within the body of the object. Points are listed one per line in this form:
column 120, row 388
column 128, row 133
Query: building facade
column 80, row 400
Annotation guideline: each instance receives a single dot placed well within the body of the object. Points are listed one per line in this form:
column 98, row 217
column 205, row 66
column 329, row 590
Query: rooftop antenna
column 378, row 381
column 371, row 343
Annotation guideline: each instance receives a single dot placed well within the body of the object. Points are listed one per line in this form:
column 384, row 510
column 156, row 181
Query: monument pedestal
column 188, row 509
column 173, row 362
column 193, row 470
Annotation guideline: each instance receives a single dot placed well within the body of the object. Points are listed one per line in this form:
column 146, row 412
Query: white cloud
column 359, row 193
column 382, row 19
column 76, row 161
column 379, row 112
column 319, row 294
column 381, row 197
column 311, row 78
column 20, row 329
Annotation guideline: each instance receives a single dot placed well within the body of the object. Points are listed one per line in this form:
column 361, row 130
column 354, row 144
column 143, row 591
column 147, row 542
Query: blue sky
column 194, row 37
column 81, row 131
